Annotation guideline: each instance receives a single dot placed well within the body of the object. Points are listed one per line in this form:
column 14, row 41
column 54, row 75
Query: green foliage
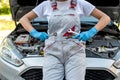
column 4, row 7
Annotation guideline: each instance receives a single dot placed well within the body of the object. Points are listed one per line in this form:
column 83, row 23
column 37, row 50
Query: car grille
column 33, row 74
column 98, row 75
column 36, row 74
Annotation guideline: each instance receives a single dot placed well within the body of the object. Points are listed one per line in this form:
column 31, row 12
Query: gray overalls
column 64, row 56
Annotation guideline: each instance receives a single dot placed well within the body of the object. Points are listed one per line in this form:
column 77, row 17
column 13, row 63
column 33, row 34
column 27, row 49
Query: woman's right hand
column 42, row 36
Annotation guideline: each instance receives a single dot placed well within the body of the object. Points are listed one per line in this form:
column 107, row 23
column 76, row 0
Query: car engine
column 105, row 44
column 103, row 47
column 28, row 45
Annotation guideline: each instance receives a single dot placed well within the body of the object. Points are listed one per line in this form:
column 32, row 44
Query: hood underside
column 21, row 7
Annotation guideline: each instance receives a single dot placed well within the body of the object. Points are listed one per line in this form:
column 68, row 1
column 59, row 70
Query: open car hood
column 110, row 7
column 21, row 7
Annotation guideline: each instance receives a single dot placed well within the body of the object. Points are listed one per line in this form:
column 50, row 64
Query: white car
column 21, row 56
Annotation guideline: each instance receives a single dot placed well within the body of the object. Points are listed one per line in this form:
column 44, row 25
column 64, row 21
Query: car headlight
column 9, row 56
column 117, row 63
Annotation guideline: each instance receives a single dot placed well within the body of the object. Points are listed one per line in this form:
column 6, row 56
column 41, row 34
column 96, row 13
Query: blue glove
column 84, row 36
column 39, row 35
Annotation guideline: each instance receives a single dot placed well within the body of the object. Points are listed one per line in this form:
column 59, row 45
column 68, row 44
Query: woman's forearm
column 26, row 24
column 103, row 21
column 26, row 21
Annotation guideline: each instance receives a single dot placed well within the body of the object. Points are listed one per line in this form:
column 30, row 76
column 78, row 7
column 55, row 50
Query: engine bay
column 105, row 44
column 103, row 47
column 28, row 45
column 100, row 46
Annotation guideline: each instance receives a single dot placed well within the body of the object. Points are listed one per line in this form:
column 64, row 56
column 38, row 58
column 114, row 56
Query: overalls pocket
column 48, row 43
column 80, row 44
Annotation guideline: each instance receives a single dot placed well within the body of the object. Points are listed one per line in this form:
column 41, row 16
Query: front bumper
column 101, row 69
column 28, row 71
column 97, row 69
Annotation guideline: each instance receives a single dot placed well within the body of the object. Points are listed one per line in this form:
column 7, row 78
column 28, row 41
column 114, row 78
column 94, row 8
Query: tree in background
column 4, row 7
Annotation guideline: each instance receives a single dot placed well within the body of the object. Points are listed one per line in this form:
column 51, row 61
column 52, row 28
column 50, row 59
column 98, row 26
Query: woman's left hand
column 84, row 36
